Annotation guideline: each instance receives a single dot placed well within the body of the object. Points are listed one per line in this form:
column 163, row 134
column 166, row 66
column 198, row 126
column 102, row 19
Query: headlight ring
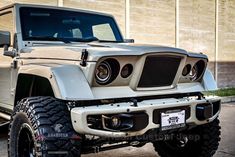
column 197, row 71
column 103, row 72
column 193, row 73
column 107, row 71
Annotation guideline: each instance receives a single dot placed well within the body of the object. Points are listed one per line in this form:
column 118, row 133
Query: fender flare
column 67, row 81
column 208, row 81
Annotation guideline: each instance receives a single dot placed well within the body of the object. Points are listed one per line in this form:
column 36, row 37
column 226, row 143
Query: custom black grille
column 159, row 71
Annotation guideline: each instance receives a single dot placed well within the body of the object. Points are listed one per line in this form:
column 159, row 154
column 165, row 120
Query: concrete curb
column 227, row 99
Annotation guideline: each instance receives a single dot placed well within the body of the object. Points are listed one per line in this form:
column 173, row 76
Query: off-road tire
column 205, row 145
column 44, row 126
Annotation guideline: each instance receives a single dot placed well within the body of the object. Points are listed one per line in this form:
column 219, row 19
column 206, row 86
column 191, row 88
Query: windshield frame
column 115, row 28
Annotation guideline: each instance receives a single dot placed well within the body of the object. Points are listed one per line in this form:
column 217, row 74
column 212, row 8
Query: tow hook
column 135, row 102
column 134, row 143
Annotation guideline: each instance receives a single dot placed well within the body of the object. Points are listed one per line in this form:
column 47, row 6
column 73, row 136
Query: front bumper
column 79, row 114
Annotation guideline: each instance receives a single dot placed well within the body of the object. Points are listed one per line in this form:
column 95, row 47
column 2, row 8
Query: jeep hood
column 95, row 50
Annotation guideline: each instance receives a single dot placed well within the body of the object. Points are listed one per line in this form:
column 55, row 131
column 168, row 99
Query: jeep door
column 6, row 98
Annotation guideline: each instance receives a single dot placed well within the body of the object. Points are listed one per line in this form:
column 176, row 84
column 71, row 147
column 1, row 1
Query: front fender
column 67, row 81
column 208, row 81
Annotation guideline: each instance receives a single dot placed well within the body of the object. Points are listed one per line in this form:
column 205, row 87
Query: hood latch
column 84, row 57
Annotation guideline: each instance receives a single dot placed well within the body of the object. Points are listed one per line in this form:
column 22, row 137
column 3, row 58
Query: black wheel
column 41, row 127
column 202, row 141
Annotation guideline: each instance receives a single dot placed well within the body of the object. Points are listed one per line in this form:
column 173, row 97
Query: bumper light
column 115, row 122
column 204, row 111
column 119, row 122
column 207, row 110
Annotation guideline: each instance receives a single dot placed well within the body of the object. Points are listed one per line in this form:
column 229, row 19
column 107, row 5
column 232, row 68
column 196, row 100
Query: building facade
column 206, row 26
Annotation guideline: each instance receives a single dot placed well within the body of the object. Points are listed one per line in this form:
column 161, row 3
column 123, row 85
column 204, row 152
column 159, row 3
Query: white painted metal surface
column 79, row 114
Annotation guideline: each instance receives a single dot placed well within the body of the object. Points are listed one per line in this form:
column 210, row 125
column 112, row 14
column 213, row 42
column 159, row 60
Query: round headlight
column 194, row 73
column 103, row 72
column 197, row 71
column 126, row 70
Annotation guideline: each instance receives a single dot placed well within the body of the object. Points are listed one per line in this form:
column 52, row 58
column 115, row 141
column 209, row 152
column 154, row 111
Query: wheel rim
column 26, row 142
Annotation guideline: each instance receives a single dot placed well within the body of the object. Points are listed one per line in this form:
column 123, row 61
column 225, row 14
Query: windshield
column 61, row 25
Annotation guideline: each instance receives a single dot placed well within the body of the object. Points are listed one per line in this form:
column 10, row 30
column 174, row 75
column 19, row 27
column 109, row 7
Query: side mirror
column 11, row 54
column 5, row 39
column 129, row 40
column 5, row 42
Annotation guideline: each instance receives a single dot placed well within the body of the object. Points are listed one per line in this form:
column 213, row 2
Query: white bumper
column 79, row 114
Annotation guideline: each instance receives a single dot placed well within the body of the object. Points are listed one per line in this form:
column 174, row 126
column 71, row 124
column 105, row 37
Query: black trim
column 7, row 7
column 204, row 111
column 207, row 110
column 216, row 106
column 4, row 13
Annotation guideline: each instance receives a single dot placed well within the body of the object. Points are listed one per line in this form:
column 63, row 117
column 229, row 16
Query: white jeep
column 70, row 84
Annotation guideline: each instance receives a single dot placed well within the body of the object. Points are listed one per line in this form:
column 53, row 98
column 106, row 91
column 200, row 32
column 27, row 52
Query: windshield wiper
column 87, row 39
column 91, row 39
column 110, row 41
column 48, row 38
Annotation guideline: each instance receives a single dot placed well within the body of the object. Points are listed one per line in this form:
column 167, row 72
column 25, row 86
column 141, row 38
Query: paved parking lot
column 226, row 149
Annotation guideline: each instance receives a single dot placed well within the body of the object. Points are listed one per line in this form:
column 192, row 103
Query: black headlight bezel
column 128, row 67
column 186, row 70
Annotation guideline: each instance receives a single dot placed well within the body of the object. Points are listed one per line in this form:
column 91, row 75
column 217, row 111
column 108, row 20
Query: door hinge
column 13, row 91
column 14, row 64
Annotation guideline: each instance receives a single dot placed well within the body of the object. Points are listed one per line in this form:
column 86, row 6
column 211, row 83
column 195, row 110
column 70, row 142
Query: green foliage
column 222, row 92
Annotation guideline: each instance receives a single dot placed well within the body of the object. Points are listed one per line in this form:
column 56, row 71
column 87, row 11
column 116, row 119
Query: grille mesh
column 159, row 71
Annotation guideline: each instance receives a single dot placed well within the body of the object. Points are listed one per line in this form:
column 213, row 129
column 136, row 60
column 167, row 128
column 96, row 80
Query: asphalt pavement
column 226, row 148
